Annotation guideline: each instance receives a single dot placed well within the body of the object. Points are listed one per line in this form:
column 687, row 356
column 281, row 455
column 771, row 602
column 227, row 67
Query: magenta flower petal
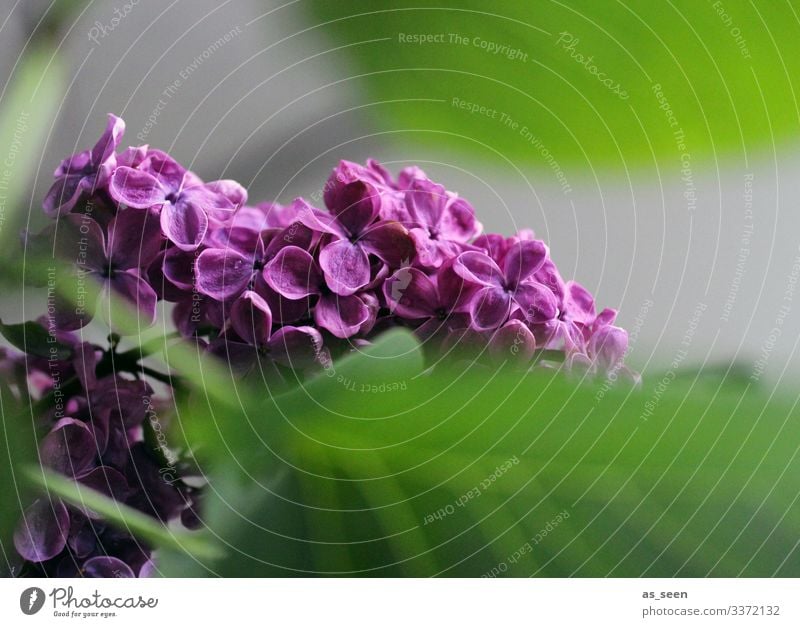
column 69, row 448
column 63, row 195
column 455, row 294
column 408, row 175
column 296, row 347
column 426, row 201
column 351, row 197
column 132, row 157
column 276, row 215
column 346, row 267
column 493, row 244
column 317, row 220
column 478, row 268
column 341, row 315
column 411, row 294
column 296, row 234
column 170, row 174
column 148, row 570
column 372, row 304
column 135, row 188
column 513, row 341
column 79, row 163
column 390, row 242
column 233, row 191
column 442, row 215
column 579, row 365
column 184, row 224
column 523, row 259
column 607, row 347
column 536, row 301
column 549, row 276
column 41, row 534
column 251, row 318
column 607, row 316
column 432, row 253
column 106, row 567
column 134, row 239
column 458, row 221
column 222, row 274
column 490, row 308
column 136, row 290
column 243, row 238
column 293, row 273
column 204, row 197
column 178, row 267
column 578, row 304
column 109, row 140
column 284, row 310
column 379, row 173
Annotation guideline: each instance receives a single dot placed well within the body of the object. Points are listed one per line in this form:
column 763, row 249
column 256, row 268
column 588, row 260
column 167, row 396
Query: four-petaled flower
column 510, row 290
column 183, row 200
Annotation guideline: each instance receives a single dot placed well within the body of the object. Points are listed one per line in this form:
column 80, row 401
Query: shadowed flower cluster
column 98, row 430
column 273, row 290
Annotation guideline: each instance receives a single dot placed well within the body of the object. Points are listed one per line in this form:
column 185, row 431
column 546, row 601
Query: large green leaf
column 473, row 470
column 583, row 82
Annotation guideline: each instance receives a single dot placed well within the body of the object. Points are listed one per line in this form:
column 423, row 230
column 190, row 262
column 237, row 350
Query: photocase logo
column 31, row 600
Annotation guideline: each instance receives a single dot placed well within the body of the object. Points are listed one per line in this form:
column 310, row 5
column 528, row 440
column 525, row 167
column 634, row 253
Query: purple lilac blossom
column 85, row 172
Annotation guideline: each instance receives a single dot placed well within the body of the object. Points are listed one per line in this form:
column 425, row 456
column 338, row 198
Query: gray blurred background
column 278, row 104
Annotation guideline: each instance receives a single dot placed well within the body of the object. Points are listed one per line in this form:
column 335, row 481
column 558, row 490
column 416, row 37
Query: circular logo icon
column 31, row 600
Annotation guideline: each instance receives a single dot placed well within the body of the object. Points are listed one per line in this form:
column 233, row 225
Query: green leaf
column 32, row 338
column 26, row 113
column 580, row 83
column 465, row 471
column 140, row 525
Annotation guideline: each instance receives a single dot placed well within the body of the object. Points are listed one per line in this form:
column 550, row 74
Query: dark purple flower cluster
column 101, row 428
column 281, row 287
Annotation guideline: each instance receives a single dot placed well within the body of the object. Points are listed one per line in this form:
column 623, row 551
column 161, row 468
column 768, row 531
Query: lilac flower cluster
column 292, row 282
column 284, row 288
column 97, row 422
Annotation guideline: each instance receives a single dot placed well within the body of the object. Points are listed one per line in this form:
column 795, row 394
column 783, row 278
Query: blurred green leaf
column 27, row 112
column 469, row 471
column 591, row 83
column 34, row 339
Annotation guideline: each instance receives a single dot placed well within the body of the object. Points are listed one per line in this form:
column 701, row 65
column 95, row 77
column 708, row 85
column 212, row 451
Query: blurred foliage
column 727, row 70
column 380, row 468
column 27, row 111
